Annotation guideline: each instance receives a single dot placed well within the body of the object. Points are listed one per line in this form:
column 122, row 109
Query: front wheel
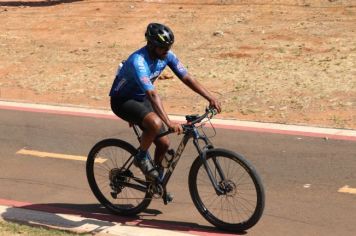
column 241, row 204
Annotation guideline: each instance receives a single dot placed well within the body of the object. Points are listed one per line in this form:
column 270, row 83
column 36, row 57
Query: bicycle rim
column 242, row 205
column 105, row 161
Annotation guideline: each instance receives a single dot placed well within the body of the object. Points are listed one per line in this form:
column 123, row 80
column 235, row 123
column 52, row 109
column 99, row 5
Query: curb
column 77, row 224
column 260, row 127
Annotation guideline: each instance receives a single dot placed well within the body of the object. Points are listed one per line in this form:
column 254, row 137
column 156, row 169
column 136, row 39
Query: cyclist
column 135, row 99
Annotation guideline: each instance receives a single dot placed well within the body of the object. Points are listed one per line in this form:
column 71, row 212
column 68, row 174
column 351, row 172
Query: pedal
column 167, row 198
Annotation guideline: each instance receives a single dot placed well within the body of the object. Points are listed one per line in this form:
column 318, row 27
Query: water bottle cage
column 171, row 152
column 168, row 158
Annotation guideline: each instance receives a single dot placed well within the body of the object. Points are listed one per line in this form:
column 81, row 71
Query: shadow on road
column 97, row 214
column 47, row 3
column 16, row 215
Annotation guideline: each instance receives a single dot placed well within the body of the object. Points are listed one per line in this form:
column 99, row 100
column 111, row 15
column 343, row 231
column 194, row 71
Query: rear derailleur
column 117, row 177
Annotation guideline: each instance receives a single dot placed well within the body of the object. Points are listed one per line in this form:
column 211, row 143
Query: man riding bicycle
column 135, row 99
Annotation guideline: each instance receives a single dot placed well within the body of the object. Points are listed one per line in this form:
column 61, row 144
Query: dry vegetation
column 289, row 61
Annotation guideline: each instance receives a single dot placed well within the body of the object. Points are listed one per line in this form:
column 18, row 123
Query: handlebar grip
column 214, row 111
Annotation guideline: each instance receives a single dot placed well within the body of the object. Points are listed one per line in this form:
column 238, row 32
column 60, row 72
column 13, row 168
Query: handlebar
column 208, row 111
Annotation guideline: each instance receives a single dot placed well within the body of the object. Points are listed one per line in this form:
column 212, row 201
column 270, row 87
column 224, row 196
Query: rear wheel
column 115, row 181
column 242, row 202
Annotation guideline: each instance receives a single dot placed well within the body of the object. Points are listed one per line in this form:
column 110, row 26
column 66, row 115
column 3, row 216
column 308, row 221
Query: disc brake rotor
column 228, row 187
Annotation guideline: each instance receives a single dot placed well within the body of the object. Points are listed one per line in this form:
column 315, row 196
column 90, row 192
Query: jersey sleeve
column 176, row 66
column 141, row 74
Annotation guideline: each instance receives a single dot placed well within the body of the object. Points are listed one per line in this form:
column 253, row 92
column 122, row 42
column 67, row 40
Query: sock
column 141, row 155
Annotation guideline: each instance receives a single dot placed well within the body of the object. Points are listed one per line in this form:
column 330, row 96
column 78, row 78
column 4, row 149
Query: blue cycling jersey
column 139, row 72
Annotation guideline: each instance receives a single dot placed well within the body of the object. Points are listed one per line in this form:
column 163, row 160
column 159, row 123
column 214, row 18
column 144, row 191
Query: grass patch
column 12, row 229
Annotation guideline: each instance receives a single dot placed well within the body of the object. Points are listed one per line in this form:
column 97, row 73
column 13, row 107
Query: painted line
column 56, row 155
column 113, row 218
column 347, row 189
column 327, row 133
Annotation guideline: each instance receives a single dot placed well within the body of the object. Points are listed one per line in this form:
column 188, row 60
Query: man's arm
column 182, row 73
column 198, row 88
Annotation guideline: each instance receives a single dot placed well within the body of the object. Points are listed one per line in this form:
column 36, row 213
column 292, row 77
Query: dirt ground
column 285, row 61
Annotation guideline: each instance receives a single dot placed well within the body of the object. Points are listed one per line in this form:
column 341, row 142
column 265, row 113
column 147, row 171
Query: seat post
column 137, row 132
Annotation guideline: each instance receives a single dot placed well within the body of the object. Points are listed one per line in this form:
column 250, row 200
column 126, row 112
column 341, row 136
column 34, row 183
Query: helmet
column 159, row 35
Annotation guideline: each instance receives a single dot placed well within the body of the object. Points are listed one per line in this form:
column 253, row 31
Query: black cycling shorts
column 131, row 110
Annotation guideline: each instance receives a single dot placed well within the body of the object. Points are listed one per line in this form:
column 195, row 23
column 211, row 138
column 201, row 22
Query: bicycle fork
column 202, row 155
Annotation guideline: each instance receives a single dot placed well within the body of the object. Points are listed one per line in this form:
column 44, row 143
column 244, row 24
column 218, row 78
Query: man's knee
column 152, row 122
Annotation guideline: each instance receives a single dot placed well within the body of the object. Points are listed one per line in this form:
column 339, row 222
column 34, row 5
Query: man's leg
column 162, row 145
column 137, row 112
column 152, row 125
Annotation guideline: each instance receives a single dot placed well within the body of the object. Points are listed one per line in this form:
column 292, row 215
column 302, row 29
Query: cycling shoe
column 147, row 168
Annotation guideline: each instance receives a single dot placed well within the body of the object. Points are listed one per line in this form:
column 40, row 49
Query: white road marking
column 56, row 155
column 347, row 189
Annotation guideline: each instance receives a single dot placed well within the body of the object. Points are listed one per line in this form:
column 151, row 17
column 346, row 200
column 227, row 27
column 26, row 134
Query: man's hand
column 176, row 128
column 214, row 103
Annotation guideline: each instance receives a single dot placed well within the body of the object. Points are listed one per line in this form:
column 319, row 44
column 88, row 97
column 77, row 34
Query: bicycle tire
column 202, row 203
column 113, row 146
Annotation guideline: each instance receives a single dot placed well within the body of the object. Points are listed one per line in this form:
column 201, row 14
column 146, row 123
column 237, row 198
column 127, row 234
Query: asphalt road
column 301, row 175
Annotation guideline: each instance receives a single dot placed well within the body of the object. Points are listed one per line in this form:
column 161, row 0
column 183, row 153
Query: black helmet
column 159, row 35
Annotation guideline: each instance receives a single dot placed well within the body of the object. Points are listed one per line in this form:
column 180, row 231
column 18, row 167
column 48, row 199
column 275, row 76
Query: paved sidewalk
column 78, row 224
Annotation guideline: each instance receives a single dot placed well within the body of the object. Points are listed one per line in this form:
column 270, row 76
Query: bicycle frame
column 191, row 132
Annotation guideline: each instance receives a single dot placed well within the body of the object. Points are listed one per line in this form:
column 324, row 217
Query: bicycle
column 224, row 186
